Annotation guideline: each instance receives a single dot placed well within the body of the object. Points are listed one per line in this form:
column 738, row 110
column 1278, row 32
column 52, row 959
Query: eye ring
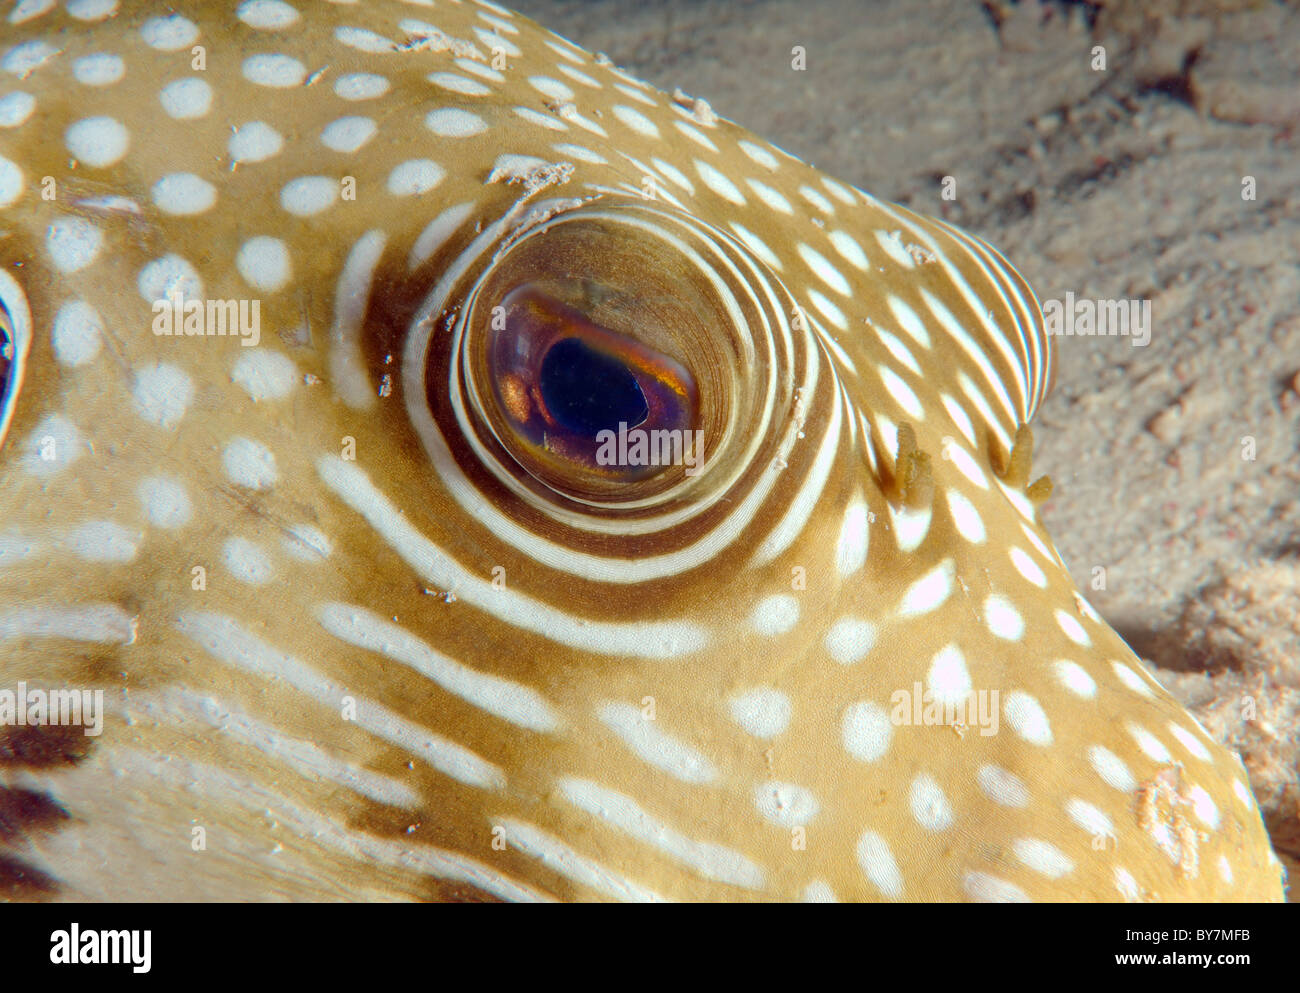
column 15, row 346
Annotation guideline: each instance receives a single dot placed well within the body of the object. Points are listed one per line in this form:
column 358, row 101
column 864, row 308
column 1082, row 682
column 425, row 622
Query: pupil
column 587, row 391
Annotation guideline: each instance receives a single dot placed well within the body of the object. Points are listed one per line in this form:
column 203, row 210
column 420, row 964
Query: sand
column 1176, row 463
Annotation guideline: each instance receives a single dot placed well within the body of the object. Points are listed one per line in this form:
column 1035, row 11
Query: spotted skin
column 350, row 648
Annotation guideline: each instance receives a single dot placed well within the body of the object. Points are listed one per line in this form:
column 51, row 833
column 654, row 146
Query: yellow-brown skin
column 275, row 825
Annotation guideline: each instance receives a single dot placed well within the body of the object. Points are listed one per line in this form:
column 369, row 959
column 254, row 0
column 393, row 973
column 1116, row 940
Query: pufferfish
column 468, row 472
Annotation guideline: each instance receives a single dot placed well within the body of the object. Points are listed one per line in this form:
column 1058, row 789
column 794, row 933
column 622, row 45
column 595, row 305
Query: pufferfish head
column 467, row 471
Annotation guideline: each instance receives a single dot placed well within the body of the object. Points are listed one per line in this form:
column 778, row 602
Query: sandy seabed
column 1176, row 464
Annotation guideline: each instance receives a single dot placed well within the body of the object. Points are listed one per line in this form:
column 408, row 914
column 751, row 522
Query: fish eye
column 603, row 359
column 15, row 342
column 571, row 390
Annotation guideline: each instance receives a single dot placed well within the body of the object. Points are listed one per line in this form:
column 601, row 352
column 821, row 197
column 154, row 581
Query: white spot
column 983, row 888
column 758, row 154
column 1127, row 885
column 851, row 549
column 361, row 86
column 1149, row 744
column 73, row 243
column 785, row 804
column 965, row 517
column 909, row 322
column 929, row 591
column 827, row 309
column 455, row 83
column 849, row 640
column 348, row 134
column 1044, row 858
column 1111, row 768
column 363, row 40
column 98, row 142
column 822, row 268
column 580, row 153
column 11, row 182
column 637, row 121
column 712, row 861
column 247, row 561
column 654, row 746
column 1002, row 618
column 494, row 41
column 719, row 183
column 1131, row 679
column 169, row 274
column 775, row 615
column 1026, row 717
column 54, row 444
column 16, row 108
column 479, row 69
column 756, row 245
column 264, row 374
column 415, row 177
column 1002, row 787
column 838, row 191
column 816, row 199
column 307, row 544
column 186, row 99
column 930, row 808
column 100, row 69
column 762, row 712
column 552, row 88
column 264, row 263
column 1073, row 629
column 276, row 71
column 77, row 333
column 952, row 451
column 1088, row 817
column 255, row 141
column 949, row 681
column 23, row 60
column 1027, row 567
column 866, row 731
column 818, row 891
column 577, row 75
column 102, row 541
column 1225, row 869
column 849, row 250
column 1190, row 742
column 308, row 195
column 1075, row 678
column 540, row 119
column 959, row 416
column 184, row 194
column 249, row 464
column 877, row 861
column 267, row 15
column 452, row 122
column 902, row 393
column 26, row 10
column 165, row 502
column 162, row 393
column 92, row 10
column 910, row 526
column 436, row 233
column 169, row 34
